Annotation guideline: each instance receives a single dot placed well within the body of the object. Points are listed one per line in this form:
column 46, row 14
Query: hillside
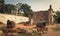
column 16, row 19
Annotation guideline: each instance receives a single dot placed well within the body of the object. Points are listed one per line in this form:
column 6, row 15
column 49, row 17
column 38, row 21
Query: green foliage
column 9, row 8
column 25, row 8
column 57, row 16
column 21, row 34
column 31, row 34
column 2, row 6
column 19, row 5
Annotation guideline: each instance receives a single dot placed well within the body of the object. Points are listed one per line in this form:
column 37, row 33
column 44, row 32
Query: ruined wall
column 39, row 16
column 42, row 16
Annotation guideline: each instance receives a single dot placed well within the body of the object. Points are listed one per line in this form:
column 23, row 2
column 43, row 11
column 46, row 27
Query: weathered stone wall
column 42, row 16
column 39, row 16
column 16, row 19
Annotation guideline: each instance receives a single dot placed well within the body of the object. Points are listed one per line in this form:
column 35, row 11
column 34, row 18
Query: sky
column 37, row 5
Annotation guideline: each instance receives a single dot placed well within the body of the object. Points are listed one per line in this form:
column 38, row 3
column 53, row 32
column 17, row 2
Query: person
column 9, row 24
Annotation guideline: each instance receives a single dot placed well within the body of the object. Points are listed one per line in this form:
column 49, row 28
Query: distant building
column 38, row 16
column 15, row 12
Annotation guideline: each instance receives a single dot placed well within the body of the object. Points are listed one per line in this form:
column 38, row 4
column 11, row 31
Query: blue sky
column 37, row 5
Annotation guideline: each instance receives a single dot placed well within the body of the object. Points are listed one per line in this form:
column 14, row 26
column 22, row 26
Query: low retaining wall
column 16, row 19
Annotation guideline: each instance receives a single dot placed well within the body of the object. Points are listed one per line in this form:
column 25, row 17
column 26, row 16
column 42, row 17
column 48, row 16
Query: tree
column 57, row 16
column 19, row 6
column 2, row 6
column 25, row 8
column 9, row 8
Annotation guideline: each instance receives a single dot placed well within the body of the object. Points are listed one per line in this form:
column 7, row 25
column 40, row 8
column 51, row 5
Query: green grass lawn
column 34, row 34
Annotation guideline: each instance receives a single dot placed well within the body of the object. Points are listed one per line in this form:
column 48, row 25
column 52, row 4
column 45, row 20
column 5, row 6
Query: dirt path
column 51, row 32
